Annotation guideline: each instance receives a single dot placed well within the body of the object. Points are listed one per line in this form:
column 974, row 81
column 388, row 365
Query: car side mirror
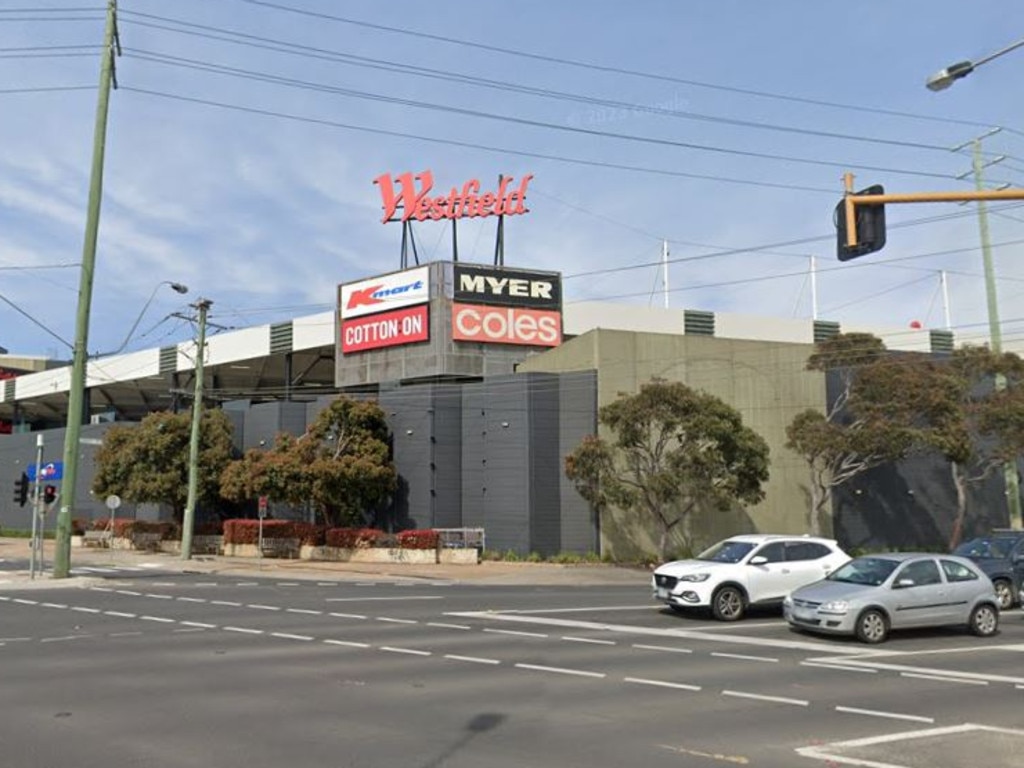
column 903, row 584
column 759, row 560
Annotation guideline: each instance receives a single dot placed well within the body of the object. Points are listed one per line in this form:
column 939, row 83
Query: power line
column 480, row 114
column 281, row 46
column 605, row 68
column 470, row 145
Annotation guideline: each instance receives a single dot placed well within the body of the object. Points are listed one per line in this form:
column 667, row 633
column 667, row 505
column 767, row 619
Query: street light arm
column 946, row 77
column 176, row 287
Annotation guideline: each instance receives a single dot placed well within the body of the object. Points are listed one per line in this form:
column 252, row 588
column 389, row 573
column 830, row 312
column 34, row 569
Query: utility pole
column 76, row 391
column 995, row 331
column 664, row 270
column 188, row 523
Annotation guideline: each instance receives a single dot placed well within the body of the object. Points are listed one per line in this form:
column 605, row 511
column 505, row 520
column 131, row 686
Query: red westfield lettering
column 418, row 204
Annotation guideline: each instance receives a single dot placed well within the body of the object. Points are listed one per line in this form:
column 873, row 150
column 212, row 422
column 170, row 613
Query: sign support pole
column 36, row 501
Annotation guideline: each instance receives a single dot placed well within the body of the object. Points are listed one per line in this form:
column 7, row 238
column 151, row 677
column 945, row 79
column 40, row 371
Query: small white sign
column 113, row 502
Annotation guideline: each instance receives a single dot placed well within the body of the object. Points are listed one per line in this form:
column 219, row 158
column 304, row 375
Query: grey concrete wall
column 577, row 393
column 766, row 382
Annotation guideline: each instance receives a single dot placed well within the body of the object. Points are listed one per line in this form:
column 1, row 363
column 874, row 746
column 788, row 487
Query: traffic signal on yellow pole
column 21, row 490
column 868, row 226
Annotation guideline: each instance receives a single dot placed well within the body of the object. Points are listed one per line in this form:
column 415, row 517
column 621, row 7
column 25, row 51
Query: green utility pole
column 994, row 330
column 188, row 524
column 76, row 392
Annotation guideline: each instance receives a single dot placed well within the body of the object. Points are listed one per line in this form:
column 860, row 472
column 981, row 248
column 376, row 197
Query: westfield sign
column 411, row 192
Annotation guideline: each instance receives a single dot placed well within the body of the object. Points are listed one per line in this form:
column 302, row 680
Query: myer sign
column 507, row 287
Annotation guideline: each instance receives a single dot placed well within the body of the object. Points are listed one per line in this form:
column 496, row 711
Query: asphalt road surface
column 142, row 668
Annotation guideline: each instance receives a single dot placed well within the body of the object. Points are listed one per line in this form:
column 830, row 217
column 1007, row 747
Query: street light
column 176, row 287
column 946, row 77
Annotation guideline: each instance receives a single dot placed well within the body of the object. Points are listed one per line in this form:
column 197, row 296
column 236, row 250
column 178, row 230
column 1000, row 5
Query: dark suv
column 1000, row 554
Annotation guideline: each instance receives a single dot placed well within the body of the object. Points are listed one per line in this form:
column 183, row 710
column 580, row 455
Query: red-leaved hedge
column 426, row 539
column 354, row 538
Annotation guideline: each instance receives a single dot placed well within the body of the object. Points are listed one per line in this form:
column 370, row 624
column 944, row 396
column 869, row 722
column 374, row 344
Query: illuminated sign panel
column 506, row 325
column 507, row 287
column 417, row 202
column 387, row 329
column 384, row 293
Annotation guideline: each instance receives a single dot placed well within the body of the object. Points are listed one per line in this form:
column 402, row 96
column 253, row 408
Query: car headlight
column 834, row 606
column 787, row 602
column 695, row 577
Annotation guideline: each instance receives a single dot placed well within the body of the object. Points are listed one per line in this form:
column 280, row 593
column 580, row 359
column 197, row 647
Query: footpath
column 16, row 551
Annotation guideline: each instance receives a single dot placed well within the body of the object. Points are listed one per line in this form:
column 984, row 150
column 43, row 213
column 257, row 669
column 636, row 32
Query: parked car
column 743, row 571
column 1001, row 556
column 870, row 596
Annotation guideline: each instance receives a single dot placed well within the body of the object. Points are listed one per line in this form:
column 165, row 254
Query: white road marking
column 530, row 612
column 949, row 673
column 82, row 609
column 322, row 583
column 364, row 599
column 120, row 614
column 246, row 630
column 306, row 611
column 890, row 715
column 744, row 658
column 229, row 603
column 101, row 589
column 397, row 621
column 795, row 645
column 287, row 583
column 289, row 636
column 347, row 643
column 200, row 624
column 962, row 681
column 347, row 615
column 592, row 640
column 761, row 697
column 247, row 584
column 192, row 599
column 125, row 634
column 410, row 651
column 830, row 753
column 561, row 670
column 206, row 583
column 23, row 601
column 471, row 659
column 838, row 667
column 160, row 619
column 164, row 584
column 443, row 625
column 188, row 630
column 259, row 607
column 62, row 639
column 53, row 605
column 155, row 596
column 515, row 632
column 128, row 592
column 663, row 684
column 740, row 625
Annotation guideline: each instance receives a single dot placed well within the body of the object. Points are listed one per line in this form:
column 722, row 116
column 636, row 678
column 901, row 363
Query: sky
column 244, row 137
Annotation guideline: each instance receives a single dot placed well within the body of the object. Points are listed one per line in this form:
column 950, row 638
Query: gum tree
column 670, row 448
column 341, row 465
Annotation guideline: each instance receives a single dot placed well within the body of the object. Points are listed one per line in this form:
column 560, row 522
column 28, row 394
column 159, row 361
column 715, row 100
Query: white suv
column 745, row 570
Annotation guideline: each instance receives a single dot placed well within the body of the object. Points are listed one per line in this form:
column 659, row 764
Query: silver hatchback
column 869, row 596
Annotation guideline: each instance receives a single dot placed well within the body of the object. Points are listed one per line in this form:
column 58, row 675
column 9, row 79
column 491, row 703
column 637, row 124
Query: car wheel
column 872, row 627
column 728, row 604
column 1004, row 593
column 984, row 621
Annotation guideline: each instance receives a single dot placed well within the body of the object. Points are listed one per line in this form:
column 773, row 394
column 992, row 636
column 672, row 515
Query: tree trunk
column 960, row 483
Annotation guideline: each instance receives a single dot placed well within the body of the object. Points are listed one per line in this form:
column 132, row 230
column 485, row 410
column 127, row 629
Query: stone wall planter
column 201, row 545
column 282, row 548
column 389, row 555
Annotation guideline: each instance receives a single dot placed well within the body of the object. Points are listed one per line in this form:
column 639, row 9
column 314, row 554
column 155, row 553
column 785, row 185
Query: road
column 143, row 667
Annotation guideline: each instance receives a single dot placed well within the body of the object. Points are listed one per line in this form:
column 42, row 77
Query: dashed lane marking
column 471, row 659
column 561, row 670
column 743, row 657
column 960, row 680
column 889, row 715
column 763, row 697
column 663, row 684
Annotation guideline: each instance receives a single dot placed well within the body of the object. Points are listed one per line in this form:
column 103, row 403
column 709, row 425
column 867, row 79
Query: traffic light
column 21, row 490
column 870, row 221
column 49, row 494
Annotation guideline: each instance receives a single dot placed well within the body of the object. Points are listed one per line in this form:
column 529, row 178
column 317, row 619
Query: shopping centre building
column 488, row 379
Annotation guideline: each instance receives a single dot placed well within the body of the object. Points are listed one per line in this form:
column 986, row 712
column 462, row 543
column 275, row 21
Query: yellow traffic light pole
column 851, row 201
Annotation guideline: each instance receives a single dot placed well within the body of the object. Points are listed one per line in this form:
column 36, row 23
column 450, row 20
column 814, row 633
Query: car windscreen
column 985, row 547
column 726, row 551
column 871, row 571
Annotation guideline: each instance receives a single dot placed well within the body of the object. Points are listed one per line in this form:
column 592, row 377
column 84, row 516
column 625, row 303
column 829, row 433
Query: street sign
column 53, row 470
column 112, row 502
column 262, row 506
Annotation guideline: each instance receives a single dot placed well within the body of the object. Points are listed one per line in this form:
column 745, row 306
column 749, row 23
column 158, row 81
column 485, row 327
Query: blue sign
column 54, row 470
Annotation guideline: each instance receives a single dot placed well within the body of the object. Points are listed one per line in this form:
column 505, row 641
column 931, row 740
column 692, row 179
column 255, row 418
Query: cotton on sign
column 506, row 325
column 387, row 329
